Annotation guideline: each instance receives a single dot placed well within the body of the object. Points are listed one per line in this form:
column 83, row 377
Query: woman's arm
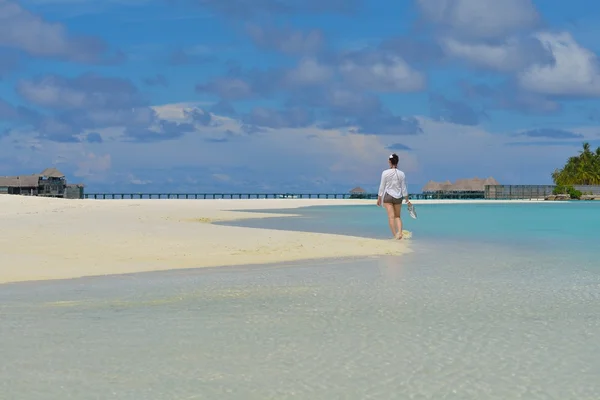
column 381, row 188
column 405, row 190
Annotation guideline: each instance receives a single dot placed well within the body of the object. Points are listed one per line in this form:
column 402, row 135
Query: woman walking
column 392, row 190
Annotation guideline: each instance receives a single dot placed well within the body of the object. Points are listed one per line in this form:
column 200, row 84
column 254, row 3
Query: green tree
column 583, row 169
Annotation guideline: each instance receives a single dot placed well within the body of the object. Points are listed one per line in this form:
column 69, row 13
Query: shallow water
column 455, row 319
column 470, row 328
column 571, row 224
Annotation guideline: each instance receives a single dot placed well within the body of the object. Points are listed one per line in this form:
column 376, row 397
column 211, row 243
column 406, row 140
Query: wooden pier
column 203, row 196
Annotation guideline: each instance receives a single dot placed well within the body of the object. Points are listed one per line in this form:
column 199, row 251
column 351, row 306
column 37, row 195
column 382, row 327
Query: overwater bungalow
column 474, row 187
column 48, row 183
column 358, row 193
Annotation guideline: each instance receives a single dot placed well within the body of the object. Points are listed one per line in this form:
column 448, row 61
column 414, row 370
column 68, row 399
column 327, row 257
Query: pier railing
column 491, row 192
column 197, row 196
column 517, row 192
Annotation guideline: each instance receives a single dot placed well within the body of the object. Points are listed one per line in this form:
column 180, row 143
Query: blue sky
column 295, row 95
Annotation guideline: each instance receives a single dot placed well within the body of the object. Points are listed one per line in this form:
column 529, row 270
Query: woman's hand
column 378, row 201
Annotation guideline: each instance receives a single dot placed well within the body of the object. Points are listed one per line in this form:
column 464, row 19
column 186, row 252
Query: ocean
column 496, row 301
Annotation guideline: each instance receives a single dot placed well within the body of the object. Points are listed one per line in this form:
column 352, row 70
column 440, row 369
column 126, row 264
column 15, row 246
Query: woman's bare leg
column 398, row 220
column 390, row 212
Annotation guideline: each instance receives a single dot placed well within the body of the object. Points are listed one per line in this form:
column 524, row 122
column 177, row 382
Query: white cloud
column 136, row 181
column 287, row 40
column 281, row 154
column 301, row 157
column 576, row 71
column 23, row 30
column 507, row 56
column 390, row 75
column 75, row 2
column 91, row 164
column 482, row 19
column 47, row 93
column 309, row 72
column 176, row 111
column 495, row 35
column 450, row 151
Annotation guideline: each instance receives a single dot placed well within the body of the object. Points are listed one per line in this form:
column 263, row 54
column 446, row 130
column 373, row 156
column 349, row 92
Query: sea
column 495, row 301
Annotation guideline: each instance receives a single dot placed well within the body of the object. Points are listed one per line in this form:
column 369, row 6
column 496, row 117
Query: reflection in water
column 391, row 267
column 476, row 326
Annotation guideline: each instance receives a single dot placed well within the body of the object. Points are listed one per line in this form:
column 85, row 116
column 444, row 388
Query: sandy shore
column 45, row 238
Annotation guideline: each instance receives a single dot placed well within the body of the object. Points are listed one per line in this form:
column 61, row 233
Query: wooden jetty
column 203, row 196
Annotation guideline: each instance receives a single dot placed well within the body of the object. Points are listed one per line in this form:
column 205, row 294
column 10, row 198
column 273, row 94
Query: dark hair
column 394, row 159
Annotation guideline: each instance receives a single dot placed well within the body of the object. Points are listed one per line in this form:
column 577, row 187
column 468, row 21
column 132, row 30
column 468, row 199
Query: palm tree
column 583, row 169
column 597, row 166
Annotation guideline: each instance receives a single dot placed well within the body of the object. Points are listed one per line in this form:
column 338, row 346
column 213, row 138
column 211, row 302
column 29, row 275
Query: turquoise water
column 553, row 226
column 496, row 302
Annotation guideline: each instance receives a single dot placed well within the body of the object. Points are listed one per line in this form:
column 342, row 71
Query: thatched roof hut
column 431, row 186
column 30, row 181
column 491, row 182
column 358, row 190
column 445, row 186
column 52, row 173
column 461, row 185
column 468, row 185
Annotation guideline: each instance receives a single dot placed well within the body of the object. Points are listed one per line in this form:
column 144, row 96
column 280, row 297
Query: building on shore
column 49, row 183
column 474, row 185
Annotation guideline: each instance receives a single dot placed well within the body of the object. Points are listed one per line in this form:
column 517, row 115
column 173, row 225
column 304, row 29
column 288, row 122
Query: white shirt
column 393, row 182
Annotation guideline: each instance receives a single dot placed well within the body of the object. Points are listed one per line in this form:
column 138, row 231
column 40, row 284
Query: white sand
column 44, row 238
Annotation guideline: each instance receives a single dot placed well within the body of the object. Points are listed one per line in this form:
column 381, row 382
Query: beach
column 484, row 302
column 45, row 238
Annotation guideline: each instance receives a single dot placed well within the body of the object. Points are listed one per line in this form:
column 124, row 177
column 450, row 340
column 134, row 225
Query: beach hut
column 475, row 186
column 50, row 182
column 52, row 173
column 492, row 188
column 21, row 184
column 470, row 185
column 461, row 185
column 490, row 182
column 445, row 186
column 431, row 187
column 358, row 193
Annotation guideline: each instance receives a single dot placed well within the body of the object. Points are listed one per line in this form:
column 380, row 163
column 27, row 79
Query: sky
column 295, row 95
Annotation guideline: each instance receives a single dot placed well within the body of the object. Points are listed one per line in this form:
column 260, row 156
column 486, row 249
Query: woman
column 392, row 190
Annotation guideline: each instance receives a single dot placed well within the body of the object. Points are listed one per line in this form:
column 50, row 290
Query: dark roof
column 20, row 181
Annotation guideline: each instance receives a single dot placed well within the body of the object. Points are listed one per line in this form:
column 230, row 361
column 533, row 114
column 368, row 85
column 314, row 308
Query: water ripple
column 476, row 326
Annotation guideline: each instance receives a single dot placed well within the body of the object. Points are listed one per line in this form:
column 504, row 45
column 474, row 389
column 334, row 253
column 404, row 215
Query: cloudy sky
column 295, row 95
